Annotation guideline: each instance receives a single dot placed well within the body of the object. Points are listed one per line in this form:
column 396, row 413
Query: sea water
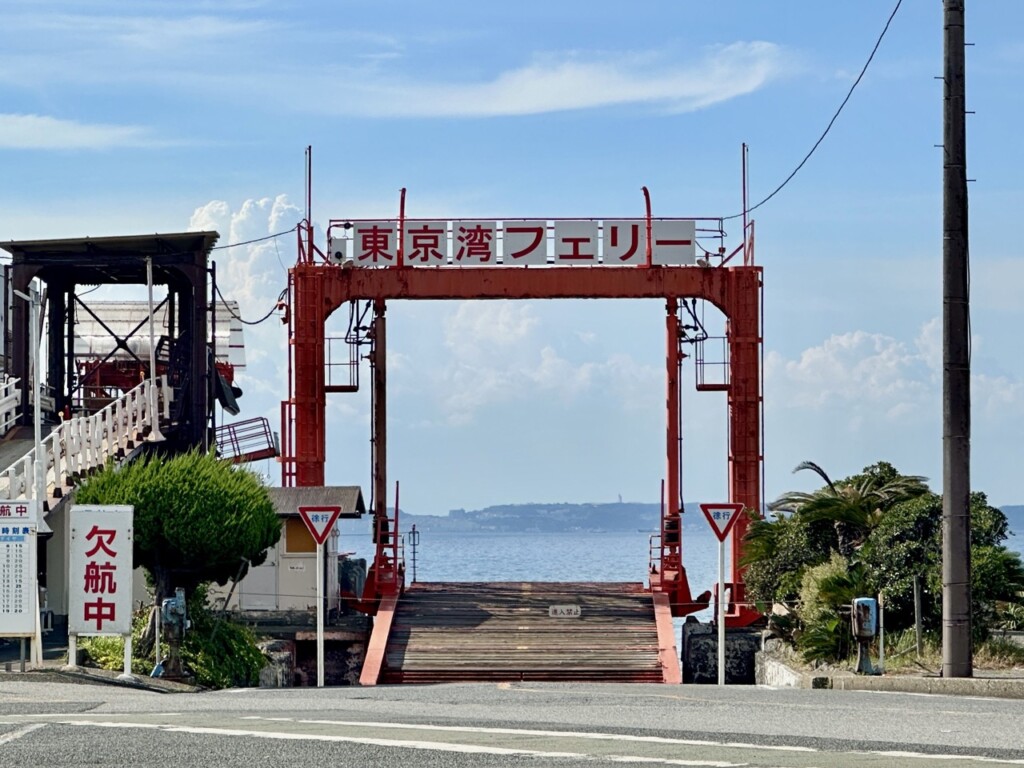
column 563, row 556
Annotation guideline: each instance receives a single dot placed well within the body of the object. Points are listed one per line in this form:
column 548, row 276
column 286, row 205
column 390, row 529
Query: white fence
column 84, row 443
column 10, row 402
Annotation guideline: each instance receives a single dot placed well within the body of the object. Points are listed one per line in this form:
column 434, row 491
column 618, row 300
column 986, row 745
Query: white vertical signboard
column 19, row 588
column 100, row 573
column 17, row 608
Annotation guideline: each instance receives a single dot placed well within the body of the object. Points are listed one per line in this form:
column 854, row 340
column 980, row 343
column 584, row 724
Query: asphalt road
column 479, row 725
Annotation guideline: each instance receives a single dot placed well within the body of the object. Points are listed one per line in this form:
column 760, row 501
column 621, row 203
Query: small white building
column 286, row 581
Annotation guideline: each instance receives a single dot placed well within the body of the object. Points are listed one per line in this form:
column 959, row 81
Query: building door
column 258, row 590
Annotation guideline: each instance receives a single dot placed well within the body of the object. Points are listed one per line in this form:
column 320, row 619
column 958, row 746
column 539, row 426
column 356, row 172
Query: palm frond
column 817, row 470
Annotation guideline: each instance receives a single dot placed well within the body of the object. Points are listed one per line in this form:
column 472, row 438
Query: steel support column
column 744, row 402
column 380, row 412
column 310, row 400
column 673, row 575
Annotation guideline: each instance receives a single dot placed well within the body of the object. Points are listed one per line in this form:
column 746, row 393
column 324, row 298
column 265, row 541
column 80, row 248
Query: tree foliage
column 197, row 518
column 872, row 533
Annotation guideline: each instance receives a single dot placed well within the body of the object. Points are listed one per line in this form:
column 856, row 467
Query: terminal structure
column 375, row 262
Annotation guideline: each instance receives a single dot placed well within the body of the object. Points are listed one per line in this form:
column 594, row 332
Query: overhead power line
column 257, row 240
column 831, row 122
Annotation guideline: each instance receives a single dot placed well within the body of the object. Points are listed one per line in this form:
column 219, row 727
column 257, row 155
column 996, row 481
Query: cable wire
column 257, row 240
column 237, row 317
column 831, row 122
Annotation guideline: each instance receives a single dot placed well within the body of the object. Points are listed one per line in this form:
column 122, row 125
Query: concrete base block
column 700, row 654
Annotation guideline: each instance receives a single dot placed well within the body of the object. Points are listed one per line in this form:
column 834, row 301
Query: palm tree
column 854, row 506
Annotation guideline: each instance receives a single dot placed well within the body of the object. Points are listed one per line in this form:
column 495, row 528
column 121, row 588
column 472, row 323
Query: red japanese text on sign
column 426, row 242
column 473, row 242
column 583, row 242
column 525, row 242
column 625, row 242
column 101, row 570
column 104, row 538
column 100, row 611
column 375, row 243
column 576, row 241
column 100, row 578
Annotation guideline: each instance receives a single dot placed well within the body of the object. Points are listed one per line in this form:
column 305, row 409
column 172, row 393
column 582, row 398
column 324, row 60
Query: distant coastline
column 616, row 517
column 543, row 518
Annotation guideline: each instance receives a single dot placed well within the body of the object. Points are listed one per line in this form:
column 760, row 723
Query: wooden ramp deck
column 502, row 631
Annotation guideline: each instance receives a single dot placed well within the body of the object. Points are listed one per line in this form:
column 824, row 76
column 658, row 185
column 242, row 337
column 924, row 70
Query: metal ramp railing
column 84, row 443
column 10, row 403
column 249, row 440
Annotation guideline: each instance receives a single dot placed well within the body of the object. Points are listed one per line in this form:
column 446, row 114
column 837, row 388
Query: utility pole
column 956, row 359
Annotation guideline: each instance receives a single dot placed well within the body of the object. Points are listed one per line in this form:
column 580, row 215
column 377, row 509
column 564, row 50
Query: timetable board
column 17, row 606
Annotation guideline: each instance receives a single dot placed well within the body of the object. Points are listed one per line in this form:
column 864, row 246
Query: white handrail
column 84, row 443
column 10, row 403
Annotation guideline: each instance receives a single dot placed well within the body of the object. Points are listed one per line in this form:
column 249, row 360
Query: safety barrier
column 10, row 403
column 82, row 444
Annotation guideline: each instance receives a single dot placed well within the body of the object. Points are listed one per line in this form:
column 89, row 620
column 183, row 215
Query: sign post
column 100, row 576
column 721, row 517
column 320, row 522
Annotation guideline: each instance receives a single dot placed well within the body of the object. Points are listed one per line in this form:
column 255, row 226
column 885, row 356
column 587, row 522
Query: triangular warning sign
column 722, row 517
column 319, row 520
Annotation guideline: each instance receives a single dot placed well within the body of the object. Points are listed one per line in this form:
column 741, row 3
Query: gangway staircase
column 523, row 631
column 84, row 443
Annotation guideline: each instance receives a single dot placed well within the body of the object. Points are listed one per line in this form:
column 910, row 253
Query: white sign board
column 19, row 511
column 559, row 242
column 564, row 611
column 100, row 574
column 320, row 521
column 17, row 606
column 721, row 517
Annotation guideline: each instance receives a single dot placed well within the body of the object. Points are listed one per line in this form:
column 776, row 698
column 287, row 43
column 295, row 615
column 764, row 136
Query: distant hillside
column 561, row 517
column 1015, row 516
column 621, row 516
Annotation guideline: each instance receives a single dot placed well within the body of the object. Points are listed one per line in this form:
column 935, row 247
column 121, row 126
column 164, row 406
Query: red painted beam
column 341, row 285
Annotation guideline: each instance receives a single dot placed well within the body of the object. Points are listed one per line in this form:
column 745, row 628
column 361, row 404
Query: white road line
column 9, row 737
column 478, row 749
column 527, row 732
column 926, row 756
column 424, row 745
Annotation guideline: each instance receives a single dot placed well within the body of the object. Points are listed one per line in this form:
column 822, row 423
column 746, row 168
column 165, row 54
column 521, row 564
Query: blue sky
column 163, row 116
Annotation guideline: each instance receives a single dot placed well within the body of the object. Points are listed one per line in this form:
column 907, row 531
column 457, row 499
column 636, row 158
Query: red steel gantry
column 317, row 287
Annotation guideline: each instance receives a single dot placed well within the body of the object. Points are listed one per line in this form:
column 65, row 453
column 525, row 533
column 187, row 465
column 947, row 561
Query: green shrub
column 825, row 593
column 220, row 653
column 107, row 651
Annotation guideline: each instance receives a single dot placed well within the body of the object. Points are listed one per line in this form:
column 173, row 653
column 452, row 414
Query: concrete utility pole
column 956, row 360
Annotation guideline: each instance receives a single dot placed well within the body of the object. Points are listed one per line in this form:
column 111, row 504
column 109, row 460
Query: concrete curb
column 776, row 673
column 109, row 677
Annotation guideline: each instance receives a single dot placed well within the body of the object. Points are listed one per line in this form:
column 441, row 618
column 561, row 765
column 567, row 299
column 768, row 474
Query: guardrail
column 249, row 440
column 10, row 403
column 84, row 443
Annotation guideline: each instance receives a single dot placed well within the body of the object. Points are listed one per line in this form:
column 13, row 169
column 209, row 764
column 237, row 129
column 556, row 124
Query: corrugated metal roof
column 93, row 341
column 349, row 497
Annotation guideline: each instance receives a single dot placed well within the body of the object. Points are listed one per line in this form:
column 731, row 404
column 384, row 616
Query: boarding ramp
column 511, row 631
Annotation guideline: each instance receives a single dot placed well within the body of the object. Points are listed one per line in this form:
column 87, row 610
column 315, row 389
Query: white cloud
column 873, row 379
column 477, row 324
column 43, row 132
column 998, row 398
column 855, row 370
column 557, row 84
column 254, row 276
column 147, row 34
column 996, row 283
column 498, row 355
